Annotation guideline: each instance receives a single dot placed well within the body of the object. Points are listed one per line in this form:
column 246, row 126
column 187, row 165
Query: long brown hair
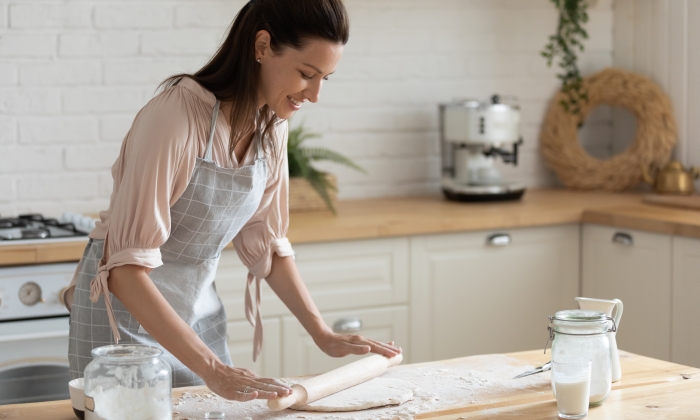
column 232, row 74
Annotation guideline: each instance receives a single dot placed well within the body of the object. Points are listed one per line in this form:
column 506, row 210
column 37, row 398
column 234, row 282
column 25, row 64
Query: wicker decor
column 655, row 137
column 302, row 196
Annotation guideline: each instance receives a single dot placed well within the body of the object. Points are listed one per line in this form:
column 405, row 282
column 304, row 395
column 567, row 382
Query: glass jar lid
column 581, row 322
column 127, row 352
column 580, row 315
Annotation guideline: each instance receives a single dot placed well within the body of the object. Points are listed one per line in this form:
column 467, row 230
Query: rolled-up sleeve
column 265, row 234
column 152, row 173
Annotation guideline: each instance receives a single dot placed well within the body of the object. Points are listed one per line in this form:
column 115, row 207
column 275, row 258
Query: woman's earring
column 258, row 60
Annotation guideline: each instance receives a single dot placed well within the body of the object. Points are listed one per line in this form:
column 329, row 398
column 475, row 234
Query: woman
column 203, row 164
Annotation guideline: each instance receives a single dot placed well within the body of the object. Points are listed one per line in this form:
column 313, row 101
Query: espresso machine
column 473, row 134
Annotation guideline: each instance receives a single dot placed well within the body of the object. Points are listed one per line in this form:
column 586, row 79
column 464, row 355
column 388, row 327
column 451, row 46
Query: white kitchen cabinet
column 339, row 275
column 685, row 344
column 301, row 356
column 635, row 267
column 489, row 292
column 240, row 346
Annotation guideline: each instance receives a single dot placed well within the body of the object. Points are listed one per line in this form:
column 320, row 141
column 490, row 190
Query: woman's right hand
column 230, row 383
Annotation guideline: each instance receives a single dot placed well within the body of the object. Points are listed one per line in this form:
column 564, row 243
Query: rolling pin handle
column 298, row 396
column 394, row 361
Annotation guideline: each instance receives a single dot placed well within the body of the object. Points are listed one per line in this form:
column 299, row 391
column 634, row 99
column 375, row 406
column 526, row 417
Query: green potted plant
column 565, row 44
column 309, row 188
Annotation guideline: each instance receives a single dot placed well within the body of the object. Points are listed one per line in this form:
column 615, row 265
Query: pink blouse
column 154, row 167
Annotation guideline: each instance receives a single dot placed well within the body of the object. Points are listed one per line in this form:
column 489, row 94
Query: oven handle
column 34, row 336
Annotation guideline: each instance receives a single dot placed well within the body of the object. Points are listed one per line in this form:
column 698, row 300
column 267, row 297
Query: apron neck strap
column 258, row 146
column 212, row 129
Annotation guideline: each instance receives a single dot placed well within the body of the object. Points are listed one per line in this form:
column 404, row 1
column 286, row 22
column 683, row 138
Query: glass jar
column 579, row 333
column 128, row 382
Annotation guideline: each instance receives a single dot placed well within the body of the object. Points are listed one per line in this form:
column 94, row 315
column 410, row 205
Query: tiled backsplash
column 74, row 73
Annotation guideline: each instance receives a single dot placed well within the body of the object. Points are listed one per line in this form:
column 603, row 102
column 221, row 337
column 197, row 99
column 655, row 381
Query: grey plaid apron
column 213, row 209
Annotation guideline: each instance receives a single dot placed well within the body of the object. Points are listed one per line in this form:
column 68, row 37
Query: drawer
column 301, row 356
column 349, row 274
column 490, row 291
column 240, row 346
column 635, row 267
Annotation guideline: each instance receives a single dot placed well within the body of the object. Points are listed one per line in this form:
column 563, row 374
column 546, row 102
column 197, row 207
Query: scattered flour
column 438, row 387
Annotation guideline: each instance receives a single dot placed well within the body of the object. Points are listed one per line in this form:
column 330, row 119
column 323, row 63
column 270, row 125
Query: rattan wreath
column 655, row 137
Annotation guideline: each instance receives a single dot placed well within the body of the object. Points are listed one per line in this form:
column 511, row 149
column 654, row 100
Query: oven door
column 34, row 360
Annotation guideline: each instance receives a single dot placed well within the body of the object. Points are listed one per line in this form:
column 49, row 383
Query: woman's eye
column 306, row 77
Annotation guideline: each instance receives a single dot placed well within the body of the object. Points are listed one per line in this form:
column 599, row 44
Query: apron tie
column 98, row 286
column 255, row 321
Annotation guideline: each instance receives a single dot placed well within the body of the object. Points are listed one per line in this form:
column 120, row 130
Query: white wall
column 73, row 73
column 659, row 39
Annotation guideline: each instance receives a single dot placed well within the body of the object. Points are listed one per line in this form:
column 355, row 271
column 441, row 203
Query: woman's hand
column 230, row 383
column 339, row 345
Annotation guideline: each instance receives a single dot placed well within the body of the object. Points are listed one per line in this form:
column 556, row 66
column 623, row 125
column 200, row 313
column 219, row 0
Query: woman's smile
column 296, row 104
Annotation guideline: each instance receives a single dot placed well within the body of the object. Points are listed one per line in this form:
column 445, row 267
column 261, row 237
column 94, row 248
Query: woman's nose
column 313, row 92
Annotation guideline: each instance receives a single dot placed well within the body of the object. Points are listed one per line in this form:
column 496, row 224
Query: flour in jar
column 120, row 402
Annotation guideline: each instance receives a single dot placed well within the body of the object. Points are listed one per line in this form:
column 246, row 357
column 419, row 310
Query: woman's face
column 292, row 77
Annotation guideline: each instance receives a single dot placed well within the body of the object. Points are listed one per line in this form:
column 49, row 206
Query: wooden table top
column 649, row 388
column 405, row 216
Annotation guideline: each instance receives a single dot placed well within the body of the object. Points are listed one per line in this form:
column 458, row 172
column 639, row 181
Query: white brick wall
column 73, row 73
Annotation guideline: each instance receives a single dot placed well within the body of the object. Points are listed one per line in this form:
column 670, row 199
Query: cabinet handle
column 348, row 325
column 498, row 239
column 623, row 239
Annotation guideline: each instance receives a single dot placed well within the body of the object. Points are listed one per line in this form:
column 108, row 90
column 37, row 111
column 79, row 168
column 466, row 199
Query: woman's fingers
column 359, row 348
column 242, row 397
column 264, row 395
column 384, row 349
column 244, row 385
column 271, row 384
column 376, row 346
column 280, row 391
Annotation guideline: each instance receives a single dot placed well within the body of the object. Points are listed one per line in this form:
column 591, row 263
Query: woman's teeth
column 293, row 101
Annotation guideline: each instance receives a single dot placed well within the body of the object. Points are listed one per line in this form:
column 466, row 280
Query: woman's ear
column 262, row 44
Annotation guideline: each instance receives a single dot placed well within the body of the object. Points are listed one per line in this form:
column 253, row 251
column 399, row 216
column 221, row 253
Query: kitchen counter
column 649, row 387
column 388, row 217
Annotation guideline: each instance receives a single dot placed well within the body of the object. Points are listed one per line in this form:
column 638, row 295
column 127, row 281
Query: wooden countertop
column 387, row 217
column 649, row 387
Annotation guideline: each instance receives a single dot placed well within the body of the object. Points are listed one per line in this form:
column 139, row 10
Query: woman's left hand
column 339, row 345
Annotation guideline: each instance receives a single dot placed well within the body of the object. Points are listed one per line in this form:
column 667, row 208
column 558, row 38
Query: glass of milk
column 571, row 385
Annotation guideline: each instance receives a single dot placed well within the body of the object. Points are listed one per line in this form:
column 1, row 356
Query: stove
column 31, row 227
column 34, row 322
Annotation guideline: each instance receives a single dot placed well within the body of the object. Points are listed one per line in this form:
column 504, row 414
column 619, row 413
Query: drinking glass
column 571, row 385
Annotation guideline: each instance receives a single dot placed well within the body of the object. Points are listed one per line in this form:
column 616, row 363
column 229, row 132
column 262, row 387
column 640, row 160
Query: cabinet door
column 339, row 275
column 634, row 267
column 302, row 356
column 240, row 345
column 685, row 346
column 489, row 292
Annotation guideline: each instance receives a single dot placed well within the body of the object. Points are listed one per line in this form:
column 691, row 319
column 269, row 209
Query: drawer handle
column 499, row 239
column 623, row 239
column 348, row 325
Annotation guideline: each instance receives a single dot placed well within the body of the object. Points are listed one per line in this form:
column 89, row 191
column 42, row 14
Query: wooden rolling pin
column 336, row 380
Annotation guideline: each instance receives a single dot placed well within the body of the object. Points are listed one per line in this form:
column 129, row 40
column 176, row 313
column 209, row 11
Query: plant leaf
column 318, row 153
column 320, row 183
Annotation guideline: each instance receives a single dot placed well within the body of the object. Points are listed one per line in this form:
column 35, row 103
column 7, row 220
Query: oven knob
column 30, row 294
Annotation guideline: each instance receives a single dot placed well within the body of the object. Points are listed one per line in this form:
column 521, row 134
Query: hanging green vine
column 565, row 44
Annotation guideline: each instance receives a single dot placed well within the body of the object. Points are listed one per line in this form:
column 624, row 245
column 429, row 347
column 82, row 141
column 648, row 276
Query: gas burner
column 36, row 227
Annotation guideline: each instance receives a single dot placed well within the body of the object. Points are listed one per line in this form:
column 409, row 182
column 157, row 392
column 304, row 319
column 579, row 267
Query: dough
column 376, row 392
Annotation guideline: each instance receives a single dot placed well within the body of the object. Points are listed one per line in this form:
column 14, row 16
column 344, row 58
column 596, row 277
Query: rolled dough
column 377, row 392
